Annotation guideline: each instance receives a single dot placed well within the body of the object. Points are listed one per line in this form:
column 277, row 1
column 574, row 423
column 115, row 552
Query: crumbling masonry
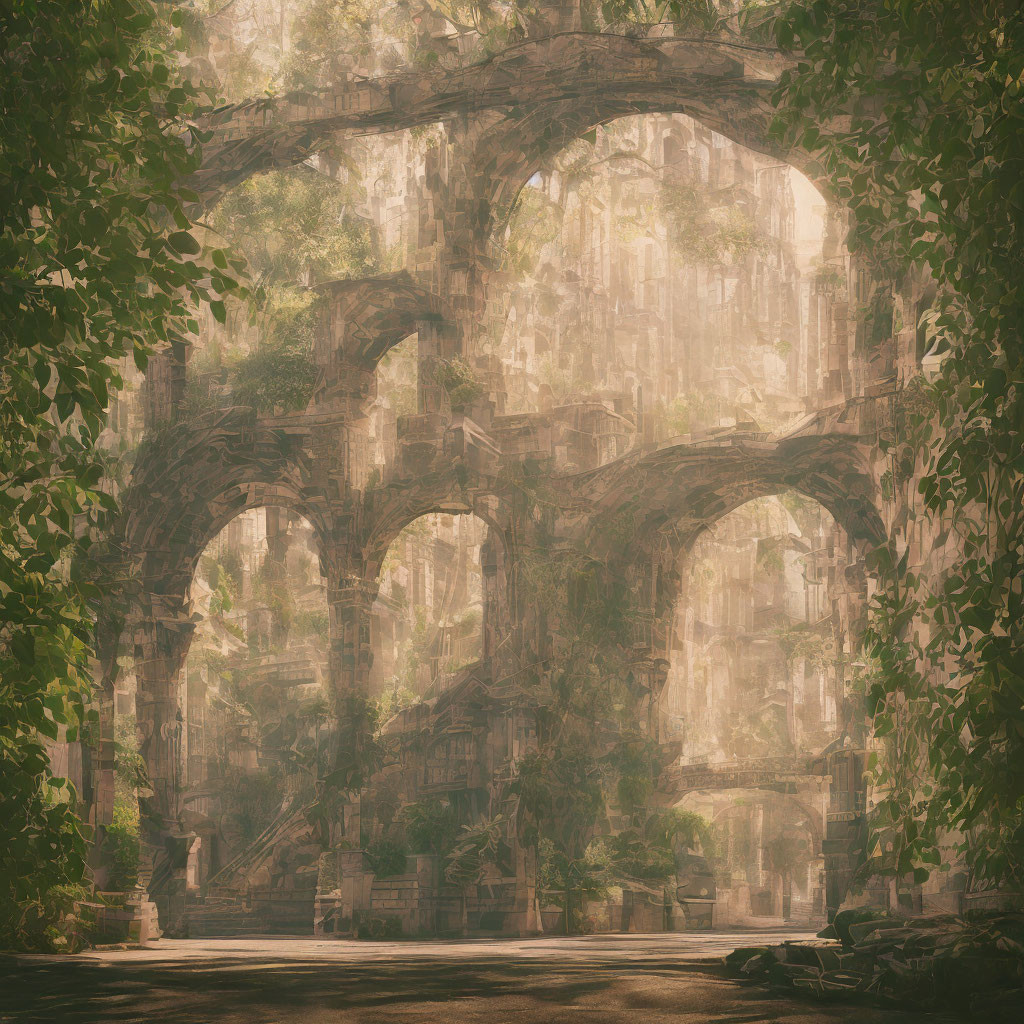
column 599, row 474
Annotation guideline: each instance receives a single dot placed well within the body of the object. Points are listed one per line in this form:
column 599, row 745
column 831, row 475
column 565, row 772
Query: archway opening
column 756, row 694
column 428, row 616
column 765, row 856
column 397, row 397
column 257, row 714
column 672, row 274
column 252, row 730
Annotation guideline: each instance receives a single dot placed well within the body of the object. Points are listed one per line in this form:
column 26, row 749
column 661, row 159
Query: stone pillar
column 99, row 769
column 341, row 428
column 345, row 388
column 464, row 199
column 96, row 796
column 162, row 639
column 350, row 603
column 435, row 343
column 350, row 608
column 843, row 845
column 350, row 658
column 163, row 388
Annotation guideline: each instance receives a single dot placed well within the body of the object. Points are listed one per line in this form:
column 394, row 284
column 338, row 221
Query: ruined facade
column 594, row 390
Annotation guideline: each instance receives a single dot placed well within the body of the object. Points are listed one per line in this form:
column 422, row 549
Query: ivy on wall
column 98, row 264
column 930, row 163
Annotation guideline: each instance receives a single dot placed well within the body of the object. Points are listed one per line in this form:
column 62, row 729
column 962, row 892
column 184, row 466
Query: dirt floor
column 606, row 979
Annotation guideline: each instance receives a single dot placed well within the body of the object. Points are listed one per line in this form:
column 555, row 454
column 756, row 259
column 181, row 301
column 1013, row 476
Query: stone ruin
column 594, row 473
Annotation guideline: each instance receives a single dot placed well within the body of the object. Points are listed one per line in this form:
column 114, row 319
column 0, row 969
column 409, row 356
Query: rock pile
column 973, row 964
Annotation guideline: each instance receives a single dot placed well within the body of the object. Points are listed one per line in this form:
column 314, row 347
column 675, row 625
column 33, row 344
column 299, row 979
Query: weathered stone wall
column 602, row 476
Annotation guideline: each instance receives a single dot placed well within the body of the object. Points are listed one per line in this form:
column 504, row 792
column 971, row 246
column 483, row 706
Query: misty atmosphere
column 512, row 511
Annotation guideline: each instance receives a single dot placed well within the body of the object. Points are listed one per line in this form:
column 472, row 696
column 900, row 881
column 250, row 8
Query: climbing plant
column 99, row 263
column 915, row 114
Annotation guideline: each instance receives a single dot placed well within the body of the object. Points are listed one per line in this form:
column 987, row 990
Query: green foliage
column 684, row 413
column 431, row 825
column 591, row 755
column 295, row 221
column 637, row 762
column 803, row 641
column 291, row 226
column 707, row 231
column 787, row 855
column 771, row 556
column 131, row 780
column 324, row 33
column 683, row 829
column 392, row 701
column 387, row 856
column 224, row 585
column 314, row 623
column 634, row 856
column 934, row 177
column 568, row 880
column 459, row 381
column 122, row 837
column 689, row 15
column 275, row 379
column 412, row 652
column 251, row 802
column 357, row 753
column 647, row 852
column 98, row 263
column 49, row 921
column 560, row 796
column 475, row 848
column 534, row 222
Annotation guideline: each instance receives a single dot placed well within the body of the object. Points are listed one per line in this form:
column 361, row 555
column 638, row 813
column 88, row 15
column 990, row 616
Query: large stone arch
column 724, row 83
column 506, row 114
column 519, row 146
column 188, row 483
column 683, row 488
column 835, row 470
column 192, row 479
column 448, row 493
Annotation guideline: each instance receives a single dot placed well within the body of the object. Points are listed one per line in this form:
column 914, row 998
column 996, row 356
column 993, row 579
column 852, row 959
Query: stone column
column 96, row 799
column 99, row 771
column 350, row 606
column 436, row 342
column 341, row 427
column 845, row 830
column 350, row 658
column 464, row 202
column 162, row 639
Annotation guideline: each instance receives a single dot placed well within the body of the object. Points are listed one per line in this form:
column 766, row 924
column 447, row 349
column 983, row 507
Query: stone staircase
column 223, row 913
column 222, row 916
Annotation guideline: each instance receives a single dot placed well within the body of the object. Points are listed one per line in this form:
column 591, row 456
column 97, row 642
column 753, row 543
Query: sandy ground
column 604, row 979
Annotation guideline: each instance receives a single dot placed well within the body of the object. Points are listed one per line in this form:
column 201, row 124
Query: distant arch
column 364, row 319
column 684, row 488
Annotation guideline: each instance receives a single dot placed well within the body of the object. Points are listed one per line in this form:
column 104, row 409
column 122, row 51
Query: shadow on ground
column 481, row 991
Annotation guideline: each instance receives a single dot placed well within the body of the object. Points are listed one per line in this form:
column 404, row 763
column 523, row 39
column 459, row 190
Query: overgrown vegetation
column 707, row 229
column 933, row 179
column 459, row 382
column 594, row 762
column 99, row 264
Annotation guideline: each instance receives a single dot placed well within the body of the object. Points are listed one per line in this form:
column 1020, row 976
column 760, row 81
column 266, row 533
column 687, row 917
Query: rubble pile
column 974, row 964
